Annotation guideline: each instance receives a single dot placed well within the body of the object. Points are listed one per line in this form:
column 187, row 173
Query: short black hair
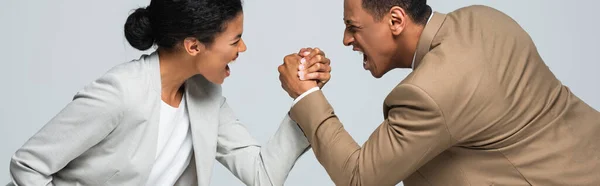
column 168, row 22
column 417, row 10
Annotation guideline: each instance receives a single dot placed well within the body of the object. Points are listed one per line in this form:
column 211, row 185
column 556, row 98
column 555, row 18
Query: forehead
column 233, row 28
column 236, row 24
column 353, row 11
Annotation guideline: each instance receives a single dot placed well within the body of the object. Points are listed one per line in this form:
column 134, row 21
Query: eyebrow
column 349, row 22
column 237, row 37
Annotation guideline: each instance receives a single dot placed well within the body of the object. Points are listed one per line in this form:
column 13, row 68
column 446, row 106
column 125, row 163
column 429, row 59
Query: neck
column 174, row 71
column 408, row 42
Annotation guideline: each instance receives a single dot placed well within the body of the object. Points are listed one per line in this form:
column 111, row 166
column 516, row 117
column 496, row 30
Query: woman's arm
column 246, row 159
column 94, row 112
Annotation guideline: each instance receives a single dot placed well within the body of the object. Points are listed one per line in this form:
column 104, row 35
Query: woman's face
column 213, row 63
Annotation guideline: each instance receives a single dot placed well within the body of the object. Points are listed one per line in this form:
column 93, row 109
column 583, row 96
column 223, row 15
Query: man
column 479, row 108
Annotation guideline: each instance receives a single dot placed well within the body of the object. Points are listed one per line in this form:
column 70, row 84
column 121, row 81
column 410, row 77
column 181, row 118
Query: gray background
column 51, row 49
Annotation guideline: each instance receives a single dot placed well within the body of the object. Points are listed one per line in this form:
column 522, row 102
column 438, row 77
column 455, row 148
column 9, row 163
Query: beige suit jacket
column 480, row 108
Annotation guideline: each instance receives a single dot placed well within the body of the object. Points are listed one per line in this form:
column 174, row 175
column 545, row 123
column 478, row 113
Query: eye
column 351, row 28
column 236, row 42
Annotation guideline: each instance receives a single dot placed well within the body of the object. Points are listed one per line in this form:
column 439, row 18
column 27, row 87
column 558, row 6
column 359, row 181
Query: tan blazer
column 480, row 108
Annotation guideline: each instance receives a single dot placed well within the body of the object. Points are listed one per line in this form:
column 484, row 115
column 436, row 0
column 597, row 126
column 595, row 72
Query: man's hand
column 288, row 75
column 314, row 66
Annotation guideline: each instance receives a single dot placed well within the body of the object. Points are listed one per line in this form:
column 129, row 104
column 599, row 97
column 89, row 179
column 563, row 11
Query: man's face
column 373, row 38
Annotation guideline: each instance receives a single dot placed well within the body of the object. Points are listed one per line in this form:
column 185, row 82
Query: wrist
column 297, row 99
column 304, row 89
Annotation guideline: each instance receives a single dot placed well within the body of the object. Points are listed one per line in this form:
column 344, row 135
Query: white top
column 174, row 147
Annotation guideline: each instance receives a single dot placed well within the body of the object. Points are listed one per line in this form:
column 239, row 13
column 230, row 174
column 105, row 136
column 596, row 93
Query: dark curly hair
column 417, row 10
column 168, row 22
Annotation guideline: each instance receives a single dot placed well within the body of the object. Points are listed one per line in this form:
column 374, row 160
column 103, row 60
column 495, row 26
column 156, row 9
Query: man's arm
column 414, row 132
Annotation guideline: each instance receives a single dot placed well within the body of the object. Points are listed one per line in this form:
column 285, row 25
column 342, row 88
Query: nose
column 348, row 38
column 242, row 46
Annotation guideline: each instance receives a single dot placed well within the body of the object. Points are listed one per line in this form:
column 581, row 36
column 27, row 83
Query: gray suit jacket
column 107, row 136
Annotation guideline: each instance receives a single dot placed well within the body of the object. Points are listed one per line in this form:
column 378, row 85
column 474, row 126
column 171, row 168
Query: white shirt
column 174, row 147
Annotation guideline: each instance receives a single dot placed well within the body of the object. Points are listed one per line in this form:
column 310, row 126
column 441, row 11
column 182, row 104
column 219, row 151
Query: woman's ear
column 192, row 46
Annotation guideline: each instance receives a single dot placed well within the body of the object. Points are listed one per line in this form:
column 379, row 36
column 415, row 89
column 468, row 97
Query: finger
column 315, row 52
column 320, row 76
column 318, row 67
column 320, row 84
column 305, row 51
column 307, row 63
column 318, row 59
column 324, row 67
column 292, row 59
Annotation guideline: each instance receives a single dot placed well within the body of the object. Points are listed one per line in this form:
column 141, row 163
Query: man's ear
column 397, row 20
column 192, row 46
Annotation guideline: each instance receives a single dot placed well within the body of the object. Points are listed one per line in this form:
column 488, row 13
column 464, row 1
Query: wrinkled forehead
column 354, row 12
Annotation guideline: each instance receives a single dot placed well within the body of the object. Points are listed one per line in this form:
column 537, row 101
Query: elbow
column 22, row 173
column 15, row 169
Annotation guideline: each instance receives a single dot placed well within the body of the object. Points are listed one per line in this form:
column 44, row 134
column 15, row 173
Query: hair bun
column 138, row 30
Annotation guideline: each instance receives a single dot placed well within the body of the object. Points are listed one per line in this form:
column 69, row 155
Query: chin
column 376, row 74
column 218, row 80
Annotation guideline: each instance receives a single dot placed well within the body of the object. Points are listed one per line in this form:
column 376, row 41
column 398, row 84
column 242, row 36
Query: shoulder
column 134, row 70
column 480, row 17
column 474, row 10
column 120, row 82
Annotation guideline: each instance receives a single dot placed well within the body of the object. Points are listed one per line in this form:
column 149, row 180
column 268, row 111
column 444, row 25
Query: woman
column 161, row 119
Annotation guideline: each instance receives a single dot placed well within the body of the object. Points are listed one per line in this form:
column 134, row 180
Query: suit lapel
column 203, row 112
column 426, row 38
column 153, row 102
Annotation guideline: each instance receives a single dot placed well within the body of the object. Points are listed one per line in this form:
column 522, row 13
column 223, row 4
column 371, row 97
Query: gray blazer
column 107, row 136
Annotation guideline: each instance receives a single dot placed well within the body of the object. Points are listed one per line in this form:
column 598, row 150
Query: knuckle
column 289, row 56
column 322, row 76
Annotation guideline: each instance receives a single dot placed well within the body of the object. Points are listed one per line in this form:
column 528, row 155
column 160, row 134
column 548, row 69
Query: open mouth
column 227, row 71
column 366, row 65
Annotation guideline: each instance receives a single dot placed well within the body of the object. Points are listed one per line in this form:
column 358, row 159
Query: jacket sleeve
column 413, row 132
column 253, row 164
column 92, row 114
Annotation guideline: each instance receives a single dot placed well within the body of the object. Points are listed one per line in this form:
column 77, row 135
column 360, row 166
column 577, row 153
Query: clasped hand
column 304, row 70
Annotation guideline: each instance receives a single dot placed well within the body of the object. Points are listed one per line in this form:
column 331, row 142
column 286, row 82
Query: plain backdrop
column 50, row 49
